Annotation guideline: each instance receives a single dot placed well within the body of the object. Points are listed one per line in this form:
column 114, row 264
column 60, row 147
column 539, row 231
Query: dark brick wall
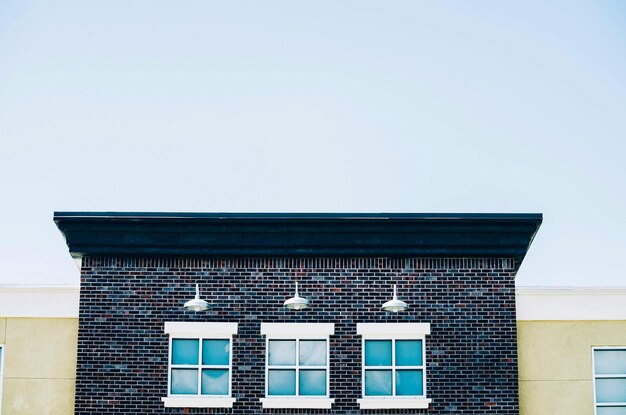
column 124, row 303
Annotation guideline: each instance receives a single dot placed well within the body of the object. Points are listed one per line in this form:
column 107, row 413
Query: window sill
column 394, row 403
column 197, row 402
column 298, row 403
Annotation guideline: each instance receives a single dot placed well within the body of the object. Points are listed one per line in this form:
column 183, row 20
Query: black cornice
column 299, row 234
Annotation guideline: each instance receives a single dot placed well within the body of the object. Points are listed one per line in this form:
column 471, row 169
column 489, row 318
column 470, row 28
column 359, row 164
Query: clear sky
column 316, row 106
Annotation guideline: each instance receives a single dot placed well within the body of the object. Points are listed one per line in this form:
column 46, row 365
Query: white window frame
column 200, row 331
column 297, row 332
column 597, row 404
column 393, row 332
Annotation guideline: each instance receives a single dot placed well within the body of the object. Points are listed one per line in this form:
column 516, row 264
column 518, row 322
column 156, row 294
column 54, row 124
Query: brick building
column 454, row 351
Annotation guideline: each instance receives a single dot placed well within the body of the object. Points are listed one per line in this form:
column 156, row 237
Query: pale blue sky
column 318, row 106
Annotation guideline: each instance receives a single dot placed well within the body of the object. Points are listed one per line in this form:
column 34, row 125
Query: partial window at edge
column 609, row 370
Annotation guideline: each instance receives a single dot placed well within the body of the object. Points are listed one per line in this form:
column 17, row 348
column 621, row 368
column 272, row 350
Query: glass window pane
column 313, row 382
column 215, row 352
column 378, row 383
column 409, row 382
column 215, row 382
column 184, row 381
column 185, row 351
column 282, row 352
column 377, row 352
column 281, row 382
column 611, row 390
column 610, row 361
column 611, row 410
column 313, row 352
column 408, row 352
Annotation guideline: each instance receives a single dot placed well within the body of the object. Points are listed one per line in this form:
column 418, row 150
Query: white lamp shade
column 395, row 305
column 196, row 304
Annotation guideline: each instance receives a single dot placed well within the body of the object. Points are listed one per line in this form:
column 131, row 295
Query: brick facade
column 469, row 302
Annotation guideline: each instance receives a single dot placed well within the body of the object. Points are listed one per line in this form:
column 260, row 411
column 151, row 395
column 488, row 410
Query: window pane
column 611, row 410
column 408, row 352
column 409, row 382
column 214, row 382
column 377, row 352
column 215, row 352
column 611, row 390
column 610, row 361
column 281, row 382
column 313, row 352
column 184, row 381
column 313, row 382
column 378, row 382
column 185, row 351
column 282, row 352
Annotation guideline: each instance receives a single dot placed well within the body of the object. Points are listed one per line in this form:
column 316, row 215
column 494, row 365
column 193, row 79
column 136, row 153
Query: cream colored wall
column 555, row 368
column 39, row 365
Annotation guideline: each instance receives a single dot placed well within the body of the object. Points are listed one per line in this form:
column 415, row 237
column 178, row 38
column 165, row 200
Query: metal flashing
column 149, row 234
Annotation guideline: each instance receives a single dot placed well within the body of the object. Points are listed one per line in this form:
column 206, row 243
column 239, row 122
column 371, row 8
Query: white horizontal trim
column 298, row 330
column 570, row 290
column 39, row 288
column 298, row 403
column 393, row 403
column 197, row 402
column 571, row 303
column 51, row 301
column 204, row 329
column 395, row 330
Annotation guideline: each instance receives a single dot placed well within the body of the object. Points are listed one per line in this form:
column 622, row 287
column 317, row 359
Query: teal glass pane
column 409, row 382
column 408, row 352
column 377, row 352
column 611, row 410
column 214, row 382
column 185, row 351
column 313, row 352
column 611, row 390
column 184, row 381
column 312, row 382
column 281, row 382
column 282, row 352
column 610, row 362
column 215, row 352
column 378, row 383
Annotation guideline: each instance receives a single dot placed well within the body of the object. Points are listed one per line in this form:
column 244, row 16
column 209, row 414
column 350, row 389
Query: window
column 297, row 370
column 200, row 365
column 394, row 365
column 609, row 372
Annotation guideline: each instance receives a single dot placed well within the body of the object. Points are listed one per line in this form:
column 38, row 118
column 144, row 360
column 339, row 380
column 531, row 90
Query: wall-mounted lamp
column 196, row 304
column 395, row 305
column 296, row 302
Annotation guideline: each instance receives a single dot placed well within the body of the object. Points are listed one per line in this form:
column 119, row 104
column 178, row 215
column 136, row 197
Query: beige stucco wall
column 555, row 369
column 39, row 365
column 3, row 328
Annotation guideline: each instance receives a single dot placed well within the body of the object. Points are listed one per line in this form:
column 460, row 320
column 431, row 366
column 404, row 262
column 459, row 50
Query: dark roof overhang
column 486, row 235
